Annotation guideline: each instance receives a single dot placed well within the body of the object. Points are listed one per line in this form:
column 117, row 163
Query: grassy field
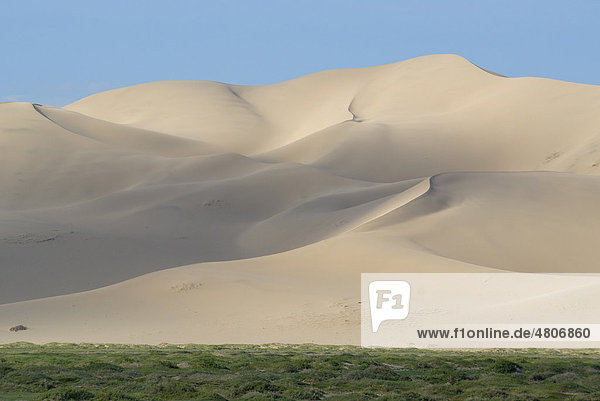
column 282, row 372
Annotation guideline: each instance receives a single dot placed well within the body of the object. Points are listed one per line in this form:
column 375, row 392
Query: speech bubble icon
column 388, row 300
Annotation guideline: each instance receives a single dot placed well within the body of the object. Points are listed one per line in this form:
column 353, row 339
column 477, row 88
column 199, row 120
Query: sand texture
column 195, row 211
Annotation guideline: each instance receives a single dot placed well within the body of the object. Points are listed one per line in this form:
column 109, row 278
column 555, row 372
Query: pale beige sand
column 275, row 198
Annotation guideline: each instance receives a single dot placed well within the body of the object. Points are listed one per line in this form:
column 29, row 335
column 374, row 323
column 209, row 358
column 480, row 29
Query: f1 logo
column 388, row 300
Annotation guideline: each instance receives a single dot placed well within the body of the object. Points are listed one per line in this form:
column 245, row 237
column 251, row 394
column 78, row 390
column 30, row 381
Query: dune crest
column 126, row 214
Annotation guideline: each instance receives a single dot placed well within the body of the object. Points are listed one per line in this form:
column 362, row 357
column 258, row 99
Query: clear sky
column 57, row 51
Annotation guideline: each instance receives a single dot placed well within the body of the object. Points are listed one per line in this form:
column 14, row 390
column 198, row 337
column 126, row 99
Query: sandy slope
column 278, row 196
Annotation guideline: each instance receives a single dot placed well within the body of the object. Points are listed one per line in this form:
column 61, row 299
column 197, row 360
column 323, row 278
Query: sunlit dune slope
column 135, row 209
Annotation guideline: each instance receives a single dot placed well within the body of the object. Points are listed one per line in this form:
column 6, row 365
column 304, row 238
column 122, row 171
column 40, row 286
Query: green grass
column 18, row 396
column 61, row 372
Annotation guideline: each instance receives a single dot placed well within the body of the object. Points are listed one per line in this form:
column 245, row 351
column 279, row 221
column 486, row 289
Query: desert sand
column 195, row 211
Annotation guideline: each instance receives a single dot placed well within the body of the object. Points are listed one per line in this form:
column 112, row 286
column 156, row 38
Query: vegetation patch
column 99, row 372
column 19, row 327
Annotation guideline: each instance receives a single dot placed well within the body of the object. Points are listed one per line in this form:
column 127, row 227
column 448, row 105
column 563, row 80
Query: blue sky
column 55, row 52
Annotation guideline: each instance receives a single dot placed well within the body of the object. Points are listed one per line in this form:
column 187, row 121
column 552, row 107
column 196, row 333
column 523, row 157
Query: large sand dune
column 193, row 211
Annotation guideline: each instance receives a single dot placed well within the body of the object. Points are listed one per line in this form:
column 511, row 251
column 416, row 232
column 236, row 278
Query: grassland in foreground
column 283, row 372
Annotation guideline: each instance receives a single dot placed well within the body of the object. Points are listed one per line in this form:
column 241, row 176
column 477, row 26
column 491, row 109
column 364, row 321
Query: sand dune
column 194, row 211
